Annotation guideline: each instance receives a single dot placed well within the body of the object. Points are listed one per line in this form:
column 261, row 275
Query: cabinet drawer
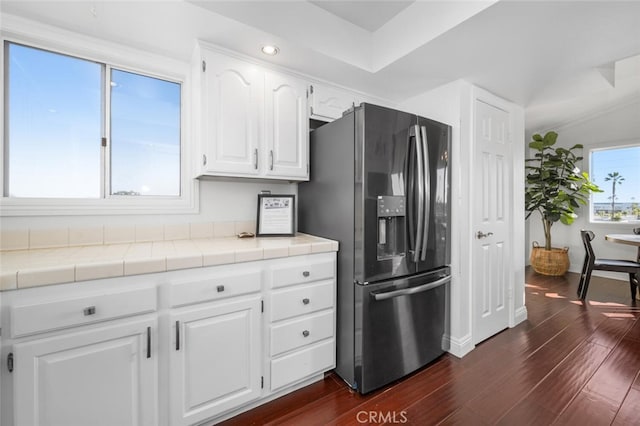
column 302, row 299
column 295, row 334
column 303, row 363
column 39, row 317
column 301, row 272
column 214, row 288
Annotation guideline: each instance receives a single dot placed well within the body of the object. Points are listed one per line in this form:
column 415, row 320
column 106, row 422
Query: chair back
column 587, row 237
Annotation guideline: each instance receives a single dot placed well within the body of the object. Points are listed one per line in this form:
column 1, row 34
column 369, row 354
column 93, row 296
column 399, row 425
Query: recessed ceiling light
column 270, row 50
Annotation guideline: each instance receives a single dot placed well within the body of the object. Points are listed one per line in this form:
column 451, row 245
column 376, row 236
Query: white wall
column 220, row 201
column 618, row 125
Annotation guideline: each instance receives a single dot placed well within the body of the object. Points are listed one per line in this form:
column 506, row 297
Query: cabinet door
column 287, row 127
column 215, row 359
column 328, row 103
column 232, row 98
column 104, row 376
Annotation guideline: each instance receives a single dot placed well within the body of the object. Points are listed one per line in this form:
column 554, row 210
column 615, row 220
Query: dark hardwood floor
column 569, row 364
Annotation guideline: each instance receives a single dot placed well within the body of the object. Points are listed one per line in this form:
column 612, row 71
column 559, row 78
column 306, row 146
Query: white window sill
column 120, row 206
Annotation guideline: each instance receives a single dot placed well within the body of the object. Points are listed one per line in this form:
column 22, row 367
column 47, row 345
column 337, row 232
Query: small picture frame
column 276, row 215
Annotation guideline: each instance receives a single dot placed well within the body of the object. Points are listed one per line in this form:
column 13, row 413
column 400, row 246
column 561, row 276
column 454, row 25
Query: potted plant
column 555, row 188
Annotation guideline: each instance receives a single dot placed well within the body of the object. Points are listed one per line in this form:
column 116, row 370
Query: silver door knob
column 481, row 235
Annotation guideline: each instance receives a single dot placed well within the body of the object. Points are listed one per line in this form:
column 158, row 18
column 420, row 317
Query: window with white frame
column 80, row 129
column 616, row 170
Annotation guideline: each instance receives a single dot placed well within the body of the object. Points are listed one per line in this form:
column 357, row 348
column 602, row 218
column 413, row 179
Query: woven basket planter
column 554, row 262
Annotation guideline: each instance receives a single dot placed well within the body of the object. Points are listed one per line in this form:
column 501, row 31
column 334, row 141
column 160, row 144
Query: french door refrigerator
column 379, row 185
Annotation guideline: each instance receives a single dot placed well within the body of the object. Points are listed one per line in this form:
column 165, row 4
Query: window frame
column 111, row 55
column 602, row 146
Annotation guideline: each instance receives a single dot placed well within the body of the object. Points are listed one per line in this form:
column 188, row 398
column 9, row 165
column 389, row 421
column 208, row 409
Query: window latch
column 103, row 142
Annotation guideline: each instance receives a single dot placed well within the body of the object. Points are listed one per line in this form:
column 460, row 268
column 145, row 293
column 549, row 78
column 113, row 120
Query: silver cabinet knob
column 305, row 333
column 305, row 301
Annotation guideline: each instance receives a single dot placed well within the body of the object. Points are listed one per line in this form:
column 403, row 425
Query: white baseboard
column 459, row 347
column 520, row 315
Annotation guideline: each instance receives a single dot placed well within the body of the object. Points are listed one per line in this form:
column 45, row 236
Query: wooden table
column 629, row 239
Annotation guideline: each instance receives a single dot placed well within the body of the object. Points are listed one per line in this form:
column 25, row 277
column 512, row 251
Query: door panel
column 233, row 95
column 97, row 377
column 215, row 359
column 382, row 139
column 491, row 221
column 439, row 236
column 287, row 126
column 398, row 327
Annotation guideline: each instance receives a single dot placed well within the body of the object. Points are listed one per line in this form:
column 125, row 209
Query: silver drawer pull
column 305, row 333
column 220, row 288
column 305, row 301
column 306, row 274
column 89, row 311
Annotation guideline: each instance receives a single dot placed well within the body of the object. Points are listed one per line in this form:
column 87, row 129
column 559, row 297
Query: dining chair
column 592, row 263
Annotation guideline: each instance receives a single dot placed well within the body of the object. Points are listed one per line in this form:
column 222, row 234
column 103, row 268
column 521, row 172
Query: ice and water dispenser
column 391, row 226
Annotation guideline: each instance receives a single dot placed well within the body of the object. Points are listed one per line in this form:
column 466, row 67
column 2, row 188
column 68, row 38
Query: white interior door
column 491, row 220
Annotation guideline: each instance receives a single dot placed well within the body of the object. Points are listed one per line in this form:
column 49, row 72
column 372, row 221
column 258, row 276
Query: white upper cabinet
column 232, row 92
column 252, row 123
column 287, row 126
column 328, row 103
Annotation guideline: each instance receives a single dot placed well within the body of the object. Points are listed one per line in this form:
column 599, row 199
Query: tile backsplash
column 71, row 237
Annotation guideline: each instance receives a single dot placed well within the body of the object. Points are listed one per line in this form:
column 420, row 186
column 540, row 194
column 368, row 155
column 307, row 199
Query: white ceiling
column 559, row 59
column 368, row 15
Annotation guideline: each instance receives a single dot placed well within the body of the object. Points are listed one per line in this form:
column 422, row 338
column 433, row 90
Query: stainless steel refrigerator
column 380, row 185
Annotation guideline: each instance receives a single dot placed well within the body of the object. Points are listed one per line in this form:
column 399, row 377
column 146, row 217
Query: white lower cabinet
column 102, row 376
column 297, row 365
column 188, row 347
column 215, row 359
column 302, row 319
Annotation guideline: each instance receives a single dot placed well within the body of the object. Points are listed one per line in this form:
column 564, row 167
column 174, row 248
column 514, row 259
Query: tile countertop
column 32, row 268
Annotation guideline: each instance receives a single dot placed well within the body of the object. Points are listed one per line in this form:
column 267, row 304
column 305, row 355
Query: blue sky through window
column 55, row 126
column 625, row 161
column 145, row 135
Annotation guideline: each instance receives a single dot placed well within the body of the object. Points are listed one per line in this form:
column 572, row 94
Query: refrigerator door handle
column 413, row 290
column 427, row 192
column 420, row 180
column 411, row 183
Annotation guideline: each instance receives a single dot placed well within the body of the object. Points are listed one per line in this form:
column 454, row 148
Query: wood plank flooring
column 569, row 364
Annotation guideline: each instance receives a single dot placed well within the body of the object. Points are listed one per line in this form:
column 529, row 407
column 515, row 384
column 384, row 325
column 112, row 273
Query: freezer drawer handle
column 413, row 290
column 305, row 333
column 305, row 301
